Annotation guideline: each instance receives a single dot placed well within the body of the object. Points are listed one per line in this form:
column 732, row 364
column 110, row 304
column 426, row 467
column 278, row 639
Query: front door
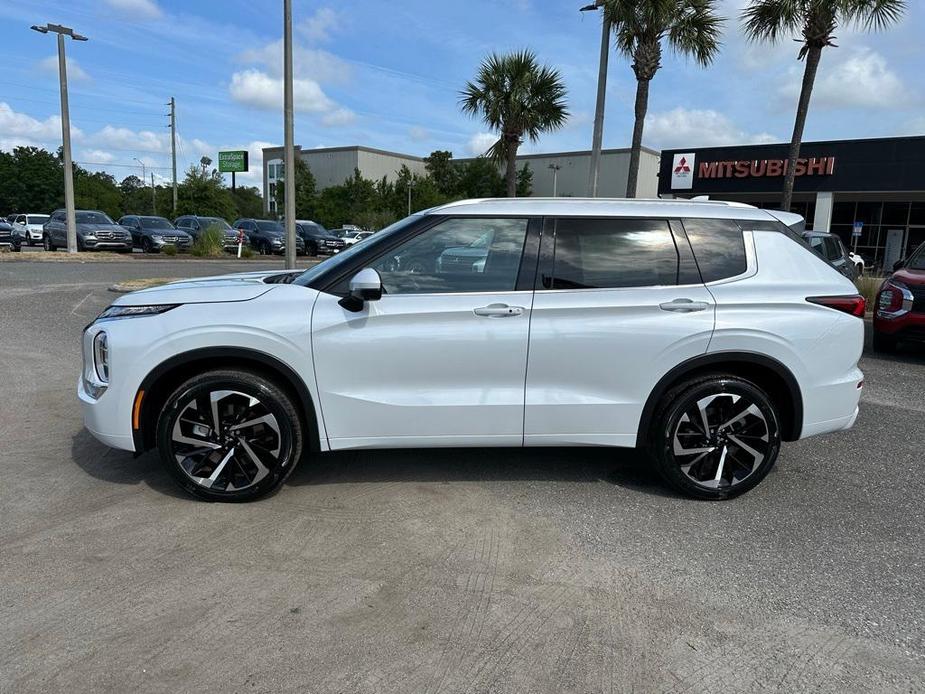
column 441, row 358
column 618, row 304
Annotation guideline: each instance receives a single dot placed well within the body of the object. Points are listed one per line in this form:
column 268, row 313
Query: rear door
column 619, row 302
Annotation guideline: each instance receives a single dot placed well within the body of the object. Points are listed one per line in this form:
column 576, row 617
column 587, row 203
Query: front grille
column 918, row 303
column 107, row 235
column 456, row 262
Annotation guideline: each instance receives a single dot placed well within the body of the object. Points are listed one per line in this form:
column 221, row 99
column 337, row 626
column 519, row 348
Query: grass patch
column 169, row 250
column 868, row 285
column 210, row 244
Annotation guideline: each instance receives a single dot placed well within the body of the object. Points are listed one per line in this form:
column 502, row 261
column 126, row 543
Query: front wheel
column 47, row 244
column 715, row 437
column 229, row 435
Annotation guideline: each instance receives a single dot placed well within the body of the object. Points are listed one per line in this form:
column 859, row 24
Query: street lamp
column 63, row 31
column 144, row 175
column 598, row 135
column 555, row 177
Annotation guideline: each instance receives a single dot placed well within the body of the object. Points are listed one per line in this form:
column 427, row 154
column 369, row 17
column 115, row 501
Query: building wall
column 375, row 165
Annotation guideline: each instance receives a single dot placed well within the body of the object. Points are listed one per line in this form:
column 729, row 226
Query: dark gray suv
column 151, row 234
column 194, row 225
column 267, row 236
column 95, row 232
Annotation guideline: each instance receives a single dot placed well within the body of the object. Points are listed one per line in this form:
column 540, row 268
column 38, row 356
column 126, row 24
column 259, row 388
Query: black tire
column 312, row 249
column 237, row 457
column 147, row 246
column 741, row 428
column 47, row 244
column 886, row 344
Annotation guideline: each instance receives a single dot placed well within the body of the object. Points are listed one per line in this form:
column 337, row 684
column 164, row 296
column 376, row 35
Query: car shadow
column 906, row 352
column 626, row 468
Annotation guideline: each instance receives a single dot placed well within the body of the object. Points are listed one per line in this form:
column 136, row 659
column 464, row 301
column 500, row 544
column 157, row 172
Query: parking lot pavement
column 450, row 570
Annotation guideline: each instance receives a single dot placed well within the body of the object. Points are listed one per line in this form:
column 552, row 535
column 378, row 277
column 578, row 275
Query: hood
column 910, row 277
column 85, row 227
column 466, row 252
column 206, row 290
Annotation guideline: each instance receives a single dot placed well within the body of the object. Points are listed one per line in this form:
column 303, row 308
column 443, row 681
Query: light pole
column 410, row 184
column 598, row 135
column 63, row 31
column 289, row 144
column 555, row 178
column 144, row 176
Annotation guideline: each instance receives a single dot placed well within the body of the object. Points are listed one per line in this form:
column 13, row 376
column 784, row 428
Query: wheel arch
column 164, row 378
column 765, row 372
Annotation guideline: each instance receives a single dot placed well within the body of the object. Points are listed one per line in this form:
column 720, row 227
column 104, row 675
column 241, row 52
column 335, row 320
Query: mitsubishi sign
column 682, row 171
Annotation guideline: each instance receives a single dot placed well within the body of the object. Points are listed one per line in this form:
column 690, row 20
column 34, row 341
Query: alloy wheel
column 720, row 440
column 226, row 440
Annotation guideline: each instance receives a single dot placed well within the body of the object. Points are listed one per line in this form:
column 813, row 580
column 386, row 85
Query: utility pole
column 410, row 184
column 153, row 196
column 598, row 135
column 289, row 158
column 63, row 31
column 555, row 178
column 173, row 149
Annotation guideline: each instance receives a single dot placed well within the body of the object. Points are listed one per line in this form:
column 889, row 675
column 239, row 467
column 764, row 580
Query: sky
column 388, row 75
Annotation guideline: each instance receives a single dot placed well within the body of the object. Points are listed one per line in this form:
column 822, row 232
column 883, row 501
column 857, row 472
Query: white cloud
column 318, row 26
column 480, row 142
column 75, row 73
column 340, row 116
column 683, row 127
column 260, row 90
column 418, row 133
column 99, row 155
column 137, row 9
column 858, row 77
column 111, row 137
column 20, row 129
column 314, row 63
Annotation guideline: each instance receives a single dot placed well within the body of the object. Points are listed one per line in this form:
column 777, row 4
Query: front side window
column 457, row 255
column 610, row 253
column 274, row 227
column 719, row 247
column 155, row 223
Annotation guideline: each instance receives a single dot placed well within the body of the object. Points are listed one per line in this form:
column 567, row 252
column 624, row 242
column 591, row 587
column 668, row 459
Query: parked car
column 350, row 235
column 899, row 313
column 858, row 261
column 317, row 239
column 683, row 328
column 151, row 234
column 32, row 224
column 267, row 236
column 95, row 231
column 194, row 225
column 830, row 248
column 10, row 236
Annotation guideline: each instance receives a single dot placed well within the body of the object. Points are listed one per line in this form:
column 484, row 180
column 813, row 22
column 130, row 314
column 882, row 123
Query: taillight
column 894, row 300
column 855, row 305
column 890, row 299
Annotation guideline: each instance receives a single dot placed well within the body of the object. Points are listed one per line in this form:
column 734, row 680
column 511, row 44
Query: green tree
column 480, row 178
column 305, row 192
column 136, row 198
column 204, row 194
column 519, row 98
column 443, row 172
column 247, row 202
column 97, row 191
column 816, row 20
column 689, row 27
column 31, row 180
column 525, row 181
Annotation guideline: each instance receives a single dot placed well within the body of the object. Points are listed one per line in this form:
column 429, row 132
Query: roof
column 602, row 207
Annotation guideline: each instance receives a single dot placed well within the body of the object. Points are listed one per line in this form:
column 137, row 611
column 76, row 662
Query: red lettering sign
column 760, row 168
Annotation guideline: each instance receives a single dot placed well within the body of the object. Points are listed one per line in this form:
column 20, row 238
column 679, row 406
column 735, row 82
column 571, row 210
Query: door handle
column 498, row 311
column 684, row 306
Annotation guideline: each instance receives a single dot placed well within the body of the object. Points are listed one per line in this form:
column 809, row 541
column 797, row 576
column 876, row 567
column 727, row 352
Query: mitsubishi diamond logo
column 682, row 171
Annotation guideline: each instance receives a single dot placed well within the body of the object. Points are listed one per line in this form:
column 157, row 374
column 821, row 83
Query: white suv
column 705, row 332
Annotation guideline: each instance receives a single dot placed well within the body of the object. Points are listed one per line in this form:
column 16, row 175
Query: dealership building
column 870, row 192
column 557, row 174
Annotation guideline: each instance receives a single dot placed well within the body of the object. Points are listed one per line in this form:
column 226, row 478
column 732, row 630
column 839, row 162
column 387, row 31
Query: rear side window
column 611, row 253
column 719, row 247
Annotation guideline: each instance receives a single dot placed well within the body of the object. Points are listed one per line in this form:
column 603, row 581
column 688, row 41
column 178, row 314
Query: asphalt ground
column 559, row 570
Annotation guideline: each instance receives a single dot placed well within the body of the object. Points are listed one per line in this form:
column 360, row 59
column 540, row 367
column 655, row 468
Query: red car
column 900, row 307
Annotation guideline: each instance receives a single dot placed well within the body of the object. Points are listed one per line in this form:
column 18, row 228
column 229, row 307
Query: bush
column 210, row 243
column 867, row 286
column 247, row 252
column 169, row 250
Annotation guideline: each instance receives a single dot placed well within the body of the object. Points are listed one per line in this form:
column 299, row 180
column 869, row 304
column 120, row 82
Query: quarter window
column 610, row 253
column 458, row 255
column 719, row 247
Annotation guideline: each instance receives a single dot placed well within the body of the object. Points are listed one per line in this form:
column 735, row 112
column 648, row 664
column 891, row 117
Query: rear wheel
column 47, row 244
column 229, row 435
column 884, row 343
column 715, row 437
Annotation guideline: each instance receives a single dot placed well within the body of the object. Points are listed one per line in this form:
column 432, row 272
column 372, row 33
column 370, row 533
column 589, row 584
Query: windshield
column 313, row 226
column 93, row 218
column 36, row 219
column 917, row 260
column 335, row 261
column 270, row 226
column 213, row 221
column 155, row 223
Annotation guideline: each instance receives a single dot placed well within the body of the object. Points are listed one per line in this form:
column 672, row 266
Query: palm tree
column 690, row 28
column 816, row 20
column 517, row 97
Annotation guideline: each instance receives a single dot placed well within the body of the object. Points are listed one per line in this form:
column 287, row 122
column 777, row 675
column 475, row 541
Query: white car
column 351, row 236
column 704, row 332
column 31, row 224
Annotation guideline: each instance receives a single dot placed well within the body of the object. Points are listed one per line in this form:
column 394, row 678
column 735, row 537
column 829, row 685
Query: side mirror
column 365, row 286
column 898, row 265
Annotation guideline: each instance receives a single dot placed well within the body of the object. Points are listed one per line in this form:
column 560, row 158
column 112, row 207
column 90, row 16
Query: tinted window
column 37, row 218
column 718, row 247
column 917, row 260
column 269, row 226
column 207, row 222
column 155, row 223
column 93, row 218
column 458, row 255
column 600, row 253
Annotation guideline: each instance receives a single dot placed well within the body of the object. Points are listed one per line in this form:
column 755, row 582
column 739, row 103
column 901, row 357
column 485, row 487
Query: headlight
column 157, row 237
column 277, row 242
column 90, row 237
column 101, row 356
column 134, row 311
